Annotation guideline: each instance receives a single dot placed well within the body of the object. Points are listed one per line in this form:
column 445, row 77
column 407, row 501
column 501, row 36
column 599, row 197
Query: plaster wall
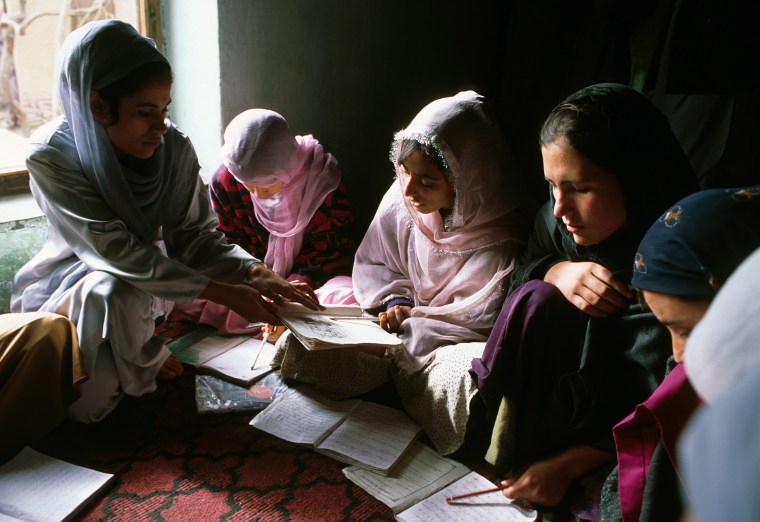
column 351, row 72
column 191, row 45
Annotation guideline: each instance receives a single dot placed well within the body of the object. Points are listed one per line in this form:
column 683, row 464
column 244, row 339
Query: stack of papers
column 34, row 486
column 416, row 491
column 358, row 432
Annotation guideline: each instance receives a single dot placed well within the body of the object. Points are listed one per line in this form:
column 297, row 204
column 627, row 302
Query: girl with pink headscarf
column 434, row 266
column 280, row 197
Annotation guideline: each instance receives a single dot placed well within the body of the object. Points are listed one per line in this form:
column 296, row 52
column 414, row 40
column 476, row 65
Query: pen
column 475, row 493
column 261, row 347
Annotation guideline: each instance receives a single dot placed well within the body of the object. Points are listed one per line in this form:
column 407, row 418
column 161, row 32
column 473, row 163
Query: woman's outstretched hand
column 263, row 292
column 590, row 287
column 278, row 290
column 541, row 484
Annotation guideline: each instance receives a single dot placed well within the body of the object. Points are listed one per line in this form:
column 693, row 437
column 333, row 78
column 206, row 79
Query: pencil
column 475, row 493
column 261, row 348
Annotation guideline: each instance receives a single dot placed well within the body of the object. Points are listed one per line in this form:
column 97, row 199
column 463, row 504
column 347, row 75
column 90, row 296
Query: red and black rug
column 172, row 464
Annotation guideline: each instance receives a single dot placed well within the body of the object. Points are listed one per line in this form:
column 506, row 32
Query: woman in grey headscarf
column 129, row 223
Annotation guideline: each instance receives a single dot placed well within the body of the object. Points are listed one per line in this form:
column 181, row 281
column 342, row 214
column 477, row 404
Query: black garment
column 570, row 376
column 705, row 78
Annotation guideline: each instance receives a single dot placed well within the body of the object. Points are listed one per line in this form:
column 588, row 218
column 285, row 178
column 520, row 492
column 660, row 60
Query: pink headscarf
column 259, row 149
column 455, row 275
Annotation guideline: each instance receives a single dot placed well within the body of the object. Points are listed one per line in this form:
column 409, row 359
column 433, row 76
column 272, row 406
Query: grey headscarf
column 92, row 57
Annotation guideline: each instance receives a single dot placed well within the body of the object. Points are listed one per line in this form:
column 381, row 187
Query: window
column 31, row 31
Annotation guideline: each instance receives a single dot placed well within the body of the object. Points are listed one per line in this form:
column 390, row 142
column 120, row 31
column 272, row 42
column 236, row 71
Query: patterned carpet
column 172, row 464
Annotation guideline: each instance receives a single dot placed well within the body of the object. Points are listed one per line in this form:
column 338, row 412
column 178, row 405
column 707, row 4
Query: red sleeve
column 232, row 204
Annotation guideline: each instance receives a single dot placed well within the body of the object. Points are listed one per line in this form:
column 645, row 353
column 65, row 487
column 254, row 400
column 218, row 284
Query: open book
column 34, row 486
column 357, row 432
column 229, row 357
column 338, row 326
column 416, row 491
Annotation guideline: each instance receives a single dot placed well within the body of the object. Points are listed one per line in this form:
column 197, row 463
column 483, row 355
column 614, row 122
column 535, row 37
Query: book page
column 419, row 474
column 319, row 332
column 31, row 476
column 236, row 361
column 303, row 417
column 374, row 436
column 490, row 506
column 197, row 348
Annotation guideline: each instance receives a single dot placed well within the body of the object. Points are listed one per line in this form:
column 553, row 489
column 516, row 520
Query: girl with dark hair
column 572, row 352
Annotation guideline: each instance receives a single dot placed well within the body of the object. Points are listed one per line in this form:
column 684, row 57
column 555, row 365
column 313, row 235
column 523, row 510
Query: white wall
column 191, row 44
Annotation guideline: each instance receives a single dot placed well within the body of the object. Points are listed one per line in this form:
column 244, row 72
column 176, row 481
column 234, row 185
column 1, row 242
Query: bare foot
column 171, row 369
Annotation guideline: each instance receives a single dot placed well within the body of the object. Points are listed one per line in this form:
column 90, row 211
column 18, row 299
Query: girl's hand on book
column 242, row 299
column 273, row 332
column 391, row 319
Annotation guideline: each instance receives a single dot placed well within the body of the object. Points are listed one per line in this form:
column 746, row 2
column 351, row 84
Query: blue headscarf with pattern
column 697, row 243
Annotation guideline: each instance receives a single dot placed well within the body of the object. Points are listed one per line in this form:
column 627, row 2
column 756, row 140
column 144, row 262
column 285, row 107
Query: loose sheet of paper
column 303, row 418
column 30, row 477
column 419, row 474
column 236, row 362
column 490, row 506
column 373, row 435
column 197, row 350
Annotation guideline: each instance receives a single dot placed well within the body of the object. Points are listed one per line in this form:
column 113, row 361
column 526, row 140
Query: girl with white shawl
column 435, row 267
column 722, row 360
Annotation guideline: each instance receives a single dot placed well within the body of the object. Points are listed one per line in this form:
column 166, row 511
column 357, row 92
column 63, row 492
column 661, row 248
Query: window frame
column 16, row 178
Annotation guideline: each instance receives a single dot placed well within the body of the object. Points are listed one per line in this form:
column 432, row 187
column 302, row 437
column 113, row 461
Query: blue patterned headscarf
column 693, row 247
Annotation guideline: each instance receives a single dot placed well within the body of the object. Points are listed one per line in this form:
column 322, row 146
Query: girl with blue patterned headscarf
column 697, row 243
column 681, row 263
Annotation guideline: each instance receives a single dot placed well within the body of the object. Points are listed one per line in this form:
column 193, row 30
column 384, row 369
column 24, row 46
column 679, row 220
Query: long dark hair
column 409, row 146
